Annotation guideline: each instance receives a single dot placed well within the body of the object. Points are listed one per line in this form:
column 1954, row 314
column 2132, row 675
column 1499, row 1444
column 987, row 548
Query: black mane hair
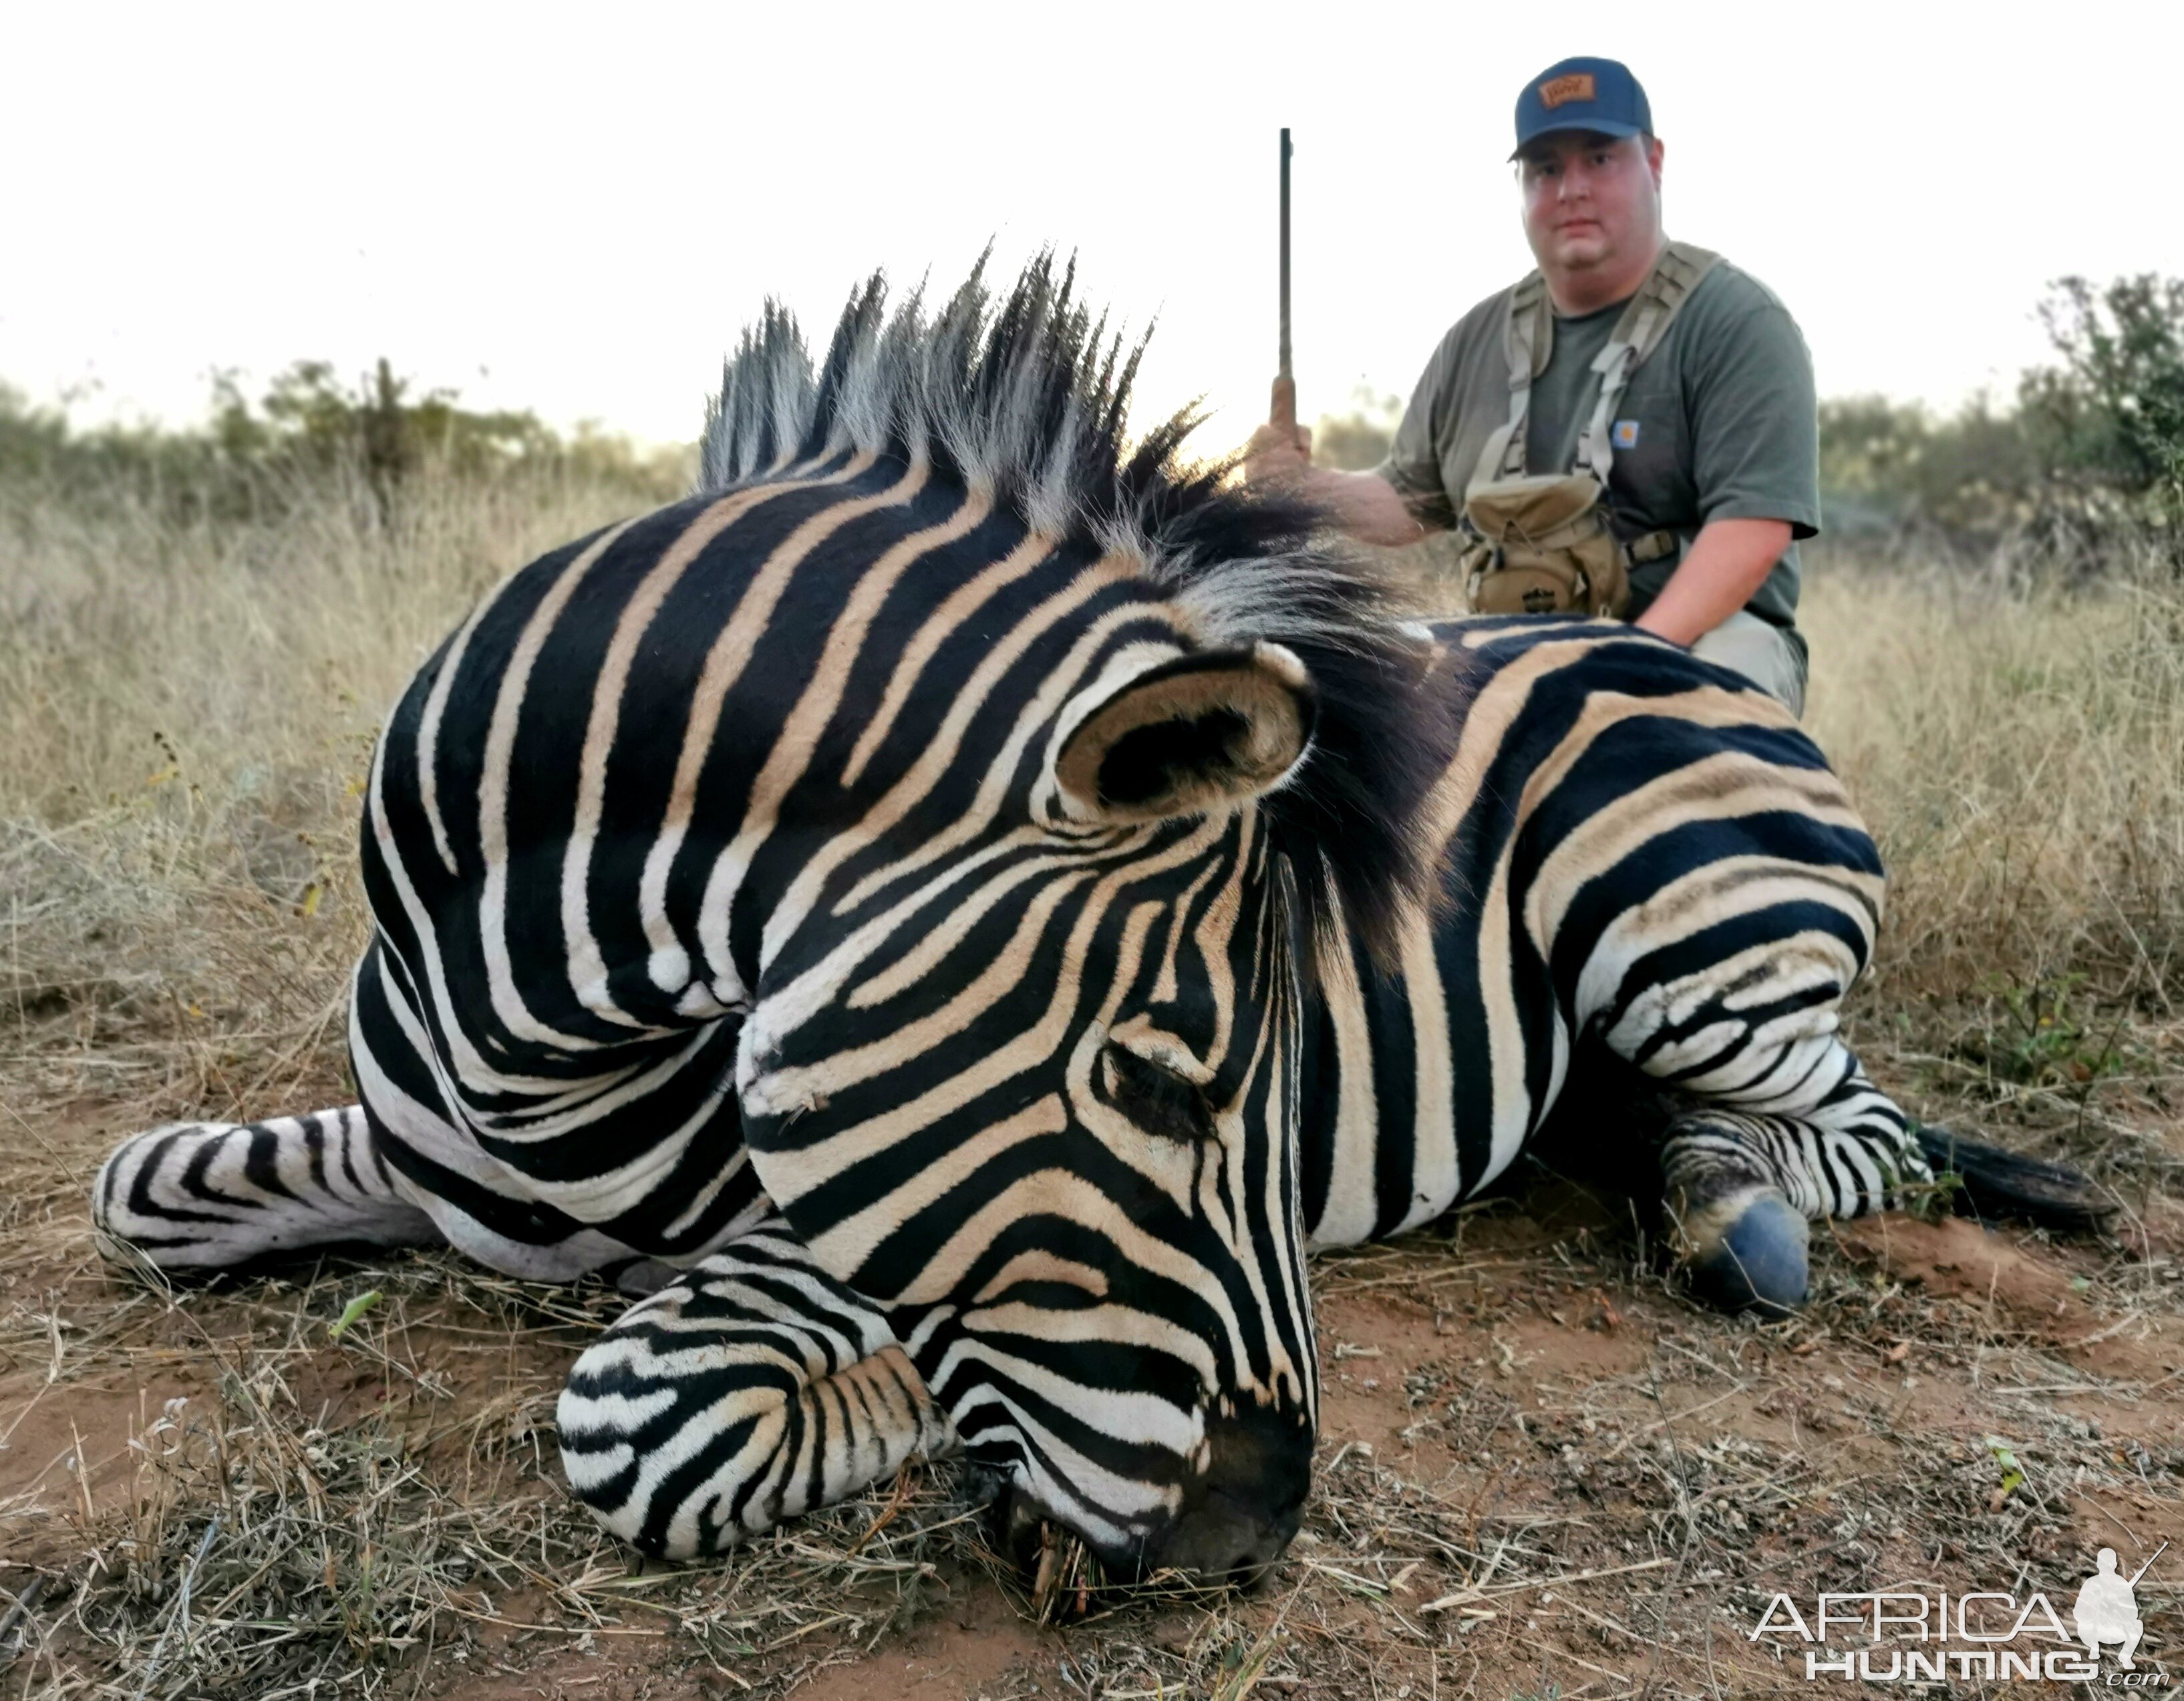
column 1027, row 397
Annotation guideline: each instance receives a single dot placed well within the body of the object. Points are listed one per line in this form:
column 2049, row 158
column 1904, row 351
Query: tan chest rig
column 1543, row 543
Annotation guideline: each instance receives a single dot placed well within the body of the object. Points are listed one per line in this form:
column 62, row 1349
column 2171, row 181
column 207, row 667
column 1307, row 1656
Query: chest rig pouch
column 1544, row 544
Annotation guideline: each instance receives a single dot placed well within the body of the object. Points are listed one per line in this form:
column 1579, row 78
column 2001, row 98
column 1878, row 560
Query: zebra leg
column 210, row 1195
column 755, row 1388
column 1743, row 1173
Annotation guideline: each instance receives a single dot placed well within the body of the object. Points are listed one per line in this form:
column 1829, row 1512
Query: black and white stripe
column 977, row 902
column 1642, row 861
column 806, row 1395
column 211, row 1196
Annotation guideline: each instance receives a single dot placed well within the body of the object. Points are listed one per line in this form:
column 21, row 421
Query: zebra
column 961, row 905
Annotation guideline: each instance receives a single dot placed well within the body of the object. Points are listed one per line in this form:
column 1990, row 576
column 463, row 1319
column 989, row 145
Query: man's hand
column 1366, row 506
column 1280, row 450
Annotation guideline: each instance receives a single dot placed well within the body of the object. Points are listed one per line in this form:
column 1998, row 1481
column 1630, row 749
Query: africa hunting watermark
column 2000, row 1637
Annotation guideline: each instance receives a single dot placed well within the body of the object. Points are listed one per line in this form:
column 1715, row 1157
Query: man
column 1711, row 448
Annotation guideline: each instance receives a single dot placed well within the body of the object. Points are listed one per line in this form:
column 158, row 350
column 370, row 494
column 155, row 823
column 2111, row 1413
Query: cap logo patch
column 1561, row 90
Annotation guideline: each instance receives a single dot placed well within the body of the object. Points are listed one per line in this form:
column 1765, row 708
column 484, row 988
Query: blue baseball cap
column 1583, row 94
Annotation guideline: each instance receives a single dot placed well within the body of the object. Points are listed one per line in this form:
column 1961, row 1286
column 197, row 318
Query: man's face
column 1591, row 202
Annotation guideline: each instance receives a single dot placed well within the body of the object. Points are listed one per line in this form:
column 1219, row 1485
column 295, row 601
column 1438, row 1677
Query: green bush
column 2114, row 410
column 309, row 429
column 2091, row 454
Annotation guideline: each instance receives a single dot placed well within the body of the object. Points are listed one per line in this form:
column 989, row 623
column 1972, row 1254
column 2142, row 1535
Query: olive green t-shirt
column 1718, row 423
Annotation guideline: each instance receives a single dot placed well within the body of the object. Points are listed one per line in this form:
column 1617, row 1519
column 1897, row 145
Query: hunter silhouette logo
column 2108, row 1611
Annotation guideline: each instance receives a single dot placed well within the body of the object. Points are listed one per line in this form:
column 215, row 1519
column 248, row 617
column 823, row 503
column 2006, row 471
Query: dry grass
column 187, row 712
column 1543, row 1473
column 2019, row 752
column 2021, row 755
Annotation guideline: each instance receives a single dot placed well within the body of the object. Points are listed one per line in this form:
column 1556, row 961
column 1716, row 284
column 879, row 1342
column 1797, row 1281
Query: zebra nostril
column 1253, row 1560
column 1228, row 1537
column 1250, row 1574
column 1243, row 1512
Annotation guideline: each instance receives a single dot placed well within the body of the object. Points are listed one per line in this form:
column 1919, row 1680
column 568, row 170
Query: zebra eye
column 1158, row 1100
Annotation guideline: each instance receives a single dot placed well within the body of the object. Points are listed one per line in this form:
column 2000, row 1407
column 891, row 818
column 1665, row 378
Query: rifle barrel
column 1285, row 252
column 2150, row 1559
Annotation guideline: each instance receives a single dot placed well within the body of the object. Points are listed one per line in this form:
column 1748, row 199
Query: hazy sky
column 575, row 209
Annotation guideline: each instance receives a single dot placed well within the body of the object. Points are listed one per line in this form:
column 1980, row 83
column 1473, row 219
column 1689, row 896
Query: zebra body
column 975, row 905
column 1641, row 860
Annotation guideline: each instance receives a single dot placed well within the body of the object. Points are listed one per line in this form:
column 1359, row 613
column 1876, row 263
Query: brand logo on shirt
column 1625, row 435
column 1561, row 90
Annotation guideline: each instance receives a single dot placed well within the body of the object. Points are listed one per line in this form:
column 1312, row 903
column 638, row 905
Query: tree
column 2092, row 455
column 2115, row 405
column 309, row 427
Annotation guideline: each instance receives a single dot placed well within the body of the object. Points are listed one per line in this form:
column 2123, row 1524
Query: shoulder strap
column 1528, row 341
column 1643, row 322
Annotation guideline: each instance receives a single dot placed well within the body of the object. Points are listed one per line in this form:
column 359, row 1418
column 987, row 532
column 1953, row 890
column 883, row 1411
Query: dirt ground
column 1543, row 1474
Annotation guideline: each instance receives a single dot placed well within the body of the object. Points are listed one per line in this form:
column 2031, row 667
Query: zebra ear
column 1186, row 736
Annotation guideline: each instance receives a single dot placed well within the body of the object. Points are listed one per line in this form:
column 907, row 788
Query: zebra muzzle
column 1236, row 1519
column 1239, row 1517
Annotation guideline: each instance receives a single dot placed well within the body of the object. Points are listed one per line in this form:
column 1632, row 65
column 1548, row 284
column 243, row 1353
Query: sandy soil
column 1543, row 1473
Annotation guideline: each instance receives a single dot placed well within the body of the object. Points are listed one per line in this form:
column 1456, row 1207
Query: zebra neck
column 1380, row 1135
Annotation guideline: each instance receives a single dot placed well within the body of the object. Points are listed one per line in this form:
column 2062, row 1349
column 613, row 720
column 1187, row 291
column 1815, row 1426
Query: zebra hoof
column 1757, row 1262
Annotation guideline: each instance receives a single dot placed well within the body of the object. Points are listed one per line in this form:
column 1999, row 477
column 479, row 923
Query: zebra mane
column 1027, row 398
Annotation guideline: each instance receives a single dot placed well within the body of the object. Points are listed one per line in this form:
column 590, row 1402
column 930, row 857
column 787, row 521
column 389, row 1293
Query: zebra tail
column 2004, row 1184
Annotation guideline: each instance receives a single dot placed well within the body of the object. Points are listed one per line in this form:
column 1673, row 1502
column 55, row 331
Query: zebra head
column 1022, row 1058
